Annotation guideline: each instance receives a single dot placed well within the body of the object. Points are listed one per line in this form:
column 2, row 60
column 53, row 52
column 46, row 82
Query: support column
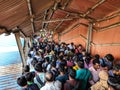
column 59, row 38
column 17, row 36
column 89, row 36
column 26, row 48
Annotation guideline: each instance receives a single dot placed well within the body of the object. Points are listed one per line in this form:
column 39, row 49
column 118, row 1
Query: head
column 29, row 76
column 38, row 67
column 116, row 69
column 61, row 57
column 80, row 64
column 105, row 68
column 29, row 55
column 96, row 64
column 21, row 81
column 114, row 83
column 83, row 52
column 109, row 57
column 34, row 61
column 49, row 77
column 47, row 59
column 97, row 56
column 26, row 69
column 72, row 74
column 61, row 69
column 53, row 64
column 72, row 43
column 88, row 57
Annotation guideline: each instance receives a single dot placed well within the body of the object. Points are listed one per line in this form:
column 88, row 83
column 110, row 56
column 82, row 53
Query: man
column 107, row 60
column 102, row 83
column 21, row 81
column 95, row 69
column 72, row 83
column 39, row 78
column 50, row 83
column 114, row 78
column 83, row 74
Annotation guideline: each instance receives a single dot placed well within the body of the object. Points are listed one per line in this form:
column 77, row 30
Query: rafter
column 109, row 17
column 58, row 20
column 61, row 22
column 80, row 15
column 45, row 17
column 51, row 14
column 66, row 4
column 94, row 7
column 108, row 27
column 31, row 15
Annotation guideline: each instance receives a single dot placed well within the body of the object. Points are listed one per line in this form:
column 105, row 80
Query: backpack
column 55, row 73
column 40, row 82
column 76, row 87
column 33, row 87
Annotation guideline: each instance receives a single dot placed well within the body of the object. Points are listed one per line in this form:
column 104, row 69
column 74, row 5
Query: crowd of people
column 53, row 66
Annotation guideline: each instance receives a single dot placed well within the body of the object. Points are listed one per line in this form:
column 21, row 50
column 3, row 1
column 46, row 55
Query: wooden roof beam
column 31, row 15
column 66, row 4
column 58, row 20
column 61, row 22
column 94, row 7
column 108, row 27
column 80, row 15
column 51, row 14
column 109, row 17
column 45, row 17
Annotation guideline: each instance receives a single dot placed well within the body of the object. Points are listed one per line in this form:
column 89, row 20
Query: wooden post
column 17, row 36
column 26, row 47
column 59, row 38
column 89, row 36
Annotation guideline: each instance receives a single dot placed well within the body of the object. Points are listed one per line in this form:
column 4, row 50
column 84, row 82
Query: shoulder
column 91, row 68
column 58, row 85
column 43, row 88
column 33, row 87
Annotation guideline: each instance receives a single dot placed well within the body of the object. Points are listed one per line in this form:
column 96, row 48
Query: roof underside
column 30, row 16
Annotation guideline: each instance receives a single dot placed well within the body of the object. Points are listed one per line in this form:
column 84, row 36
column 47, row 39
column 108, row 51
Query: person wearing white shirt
column 50, row 83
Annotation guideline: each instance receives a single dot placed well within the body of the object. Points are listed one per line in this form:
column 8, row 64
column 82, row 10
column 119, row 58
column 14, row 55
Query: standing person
column 71, row 46
column 83, row 74
column 107, row 60
column 114, row 78
column 50, row 83
column 39, row 78
column 88, row 61
column 62, row 77
column 102, row 83
column 95, row 70
column 29, row 60
column 21, row 81
column 72, row 83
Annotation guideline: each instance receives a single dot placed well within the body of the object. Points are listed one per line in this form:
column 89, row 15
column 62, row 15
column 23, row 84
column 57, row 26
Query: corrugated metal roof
column 15, row 13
